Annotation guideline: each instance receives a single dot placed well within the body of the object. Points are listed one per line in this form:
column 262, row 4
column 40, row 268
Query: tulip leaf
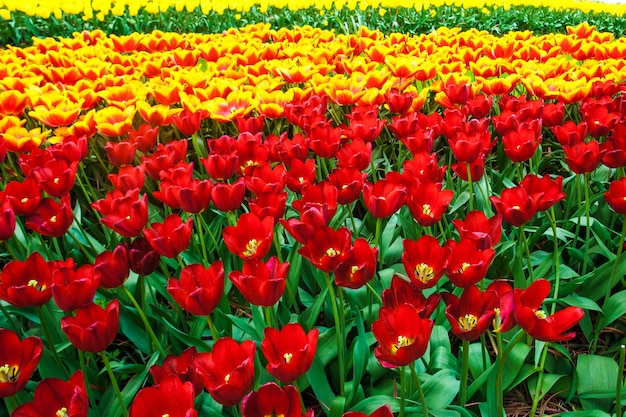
column 441, row 389
column 319, row 384
column 360, row 351
column 590, row 413
column 547, row 382
column 373, row 402
column 132, row 328
column 244, row 324
column 596, row 373
column 576, row 300
column 337, row 407
column 614, row 308
column 309, row 316
column 476, row 359
column 514, row 365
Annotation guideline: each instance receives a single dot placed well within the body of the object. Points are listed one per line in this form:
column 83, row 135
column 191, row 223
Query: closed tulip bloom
column 402, row 335
column 182, row 366
column 171, row 397
column 486, row 232
column 583, row 157
column 290, row 351
column 272, row 400
column 56, row 397
column 228, row 197
column 93, row 328
column 199, row 289
column 261, row 283
column 544, row 190
column 251, row 238
column 126, row 214
column 7, row 220
column 402, row 291
column 142, row 258
column 171, row 237
column 536, row 322
column 26, row 283
column 19, row 360
column 111, row 268
column 73, row 286
column 228, row 370
column 472, row 313
column 616, row 196
column 515, row 205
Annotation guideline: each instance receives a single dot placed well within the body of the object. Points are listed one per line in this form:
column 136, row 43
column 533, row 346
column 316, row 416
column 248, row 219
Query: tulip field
column 332, row 209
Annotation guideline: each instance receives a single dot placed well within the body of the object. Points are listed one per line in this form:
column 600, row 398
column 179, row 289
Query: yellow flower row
column 95, row 83
column 99, row 9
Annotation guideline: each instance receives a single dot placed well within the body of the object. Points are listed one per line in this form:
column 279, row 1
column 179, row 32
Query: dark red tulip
column 228, row 370
column 539, row 325
column 145, row 137
column 505, row 317
column 327, row 248
column 583, row 157
column 142, row 258
column 614, row 147
column 403, row 291
column 251, row 238
column 222, row 161
column 290, row 351
column 360, row 266
column 73, row 286
column 7, row 219
column 228, row 197
column 120, row 153
column 616, row 195
column 402, row 335
column 182, row 366
column 172, row 398
column 424, row 260
column 126, row 214
column 261, row 283
column 199, row 289
column 171, row 237
column 111, row 268
column 386, row 196
column 515, row 205
column 23, row 196
column 128, row 178
column 52, row 218
column 56, row 397
column 467, row 263
column 545, row 191
column 26, row 283
column 486, row 232
column 20, row 359
column 93, row 328
column 472, row 313
column 348, row 182
column 427, row 202
column 272, row 400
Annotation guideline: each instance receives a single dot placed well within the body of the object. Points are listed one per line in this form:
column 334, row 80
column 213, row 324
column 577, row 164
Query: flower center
column 403, row 341
column 541, row 314
column 287, row 357
column 251, row 248
column 62, row 412
column 227, row 378
column 332, row 252
column 53, row 219
column 426, row 210
column 424, row 273
column 24, row 200
column 515, row 208
column 9, row 373
column 33, row 283
column 468, row 321
column 462, row 268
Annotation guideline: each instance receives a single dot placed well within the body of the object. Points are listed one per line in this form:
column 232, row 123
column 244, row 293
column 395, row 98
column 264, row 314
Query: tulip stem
column 538, row 394
column 268, row 316
column 338, row 333
column 116, row 387
column 470, row 185
column 587, row 223
column 144, row 319
column 420, row 391
column 557, row 272
column 402, row 388
column 500, row 365
column 464, row 374
column 201, row 224
column 214, row 332
column 527, row 250
column 374, row 293
column 377, row 237
column 83, row 367
column 46, row 332
column 10, row 319
column 618, row 386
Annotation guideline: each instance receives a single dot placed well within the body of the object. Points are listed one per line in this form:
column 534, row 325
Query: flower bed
column 418, row 224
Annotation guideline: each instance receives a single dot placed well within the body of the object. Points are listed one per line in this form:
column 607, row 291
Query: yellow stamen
column 53, row 219
column 403, row 341
column 424, row 272
column 8, row 373
column 332, row 252
column 25, row 199
column 463, row 267
column 227, row 378
column 62, row 412
column 251, row 248
column 287, row 357
column 541, row 314
column 468, row 321
column 426, row 210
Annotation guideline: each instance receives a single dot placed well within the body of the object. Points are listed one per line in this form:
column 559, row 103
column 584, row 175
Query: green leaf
column 371, row 403
column 590, row 413
column 441, row 389
column 576, row 300
column 360, row 352
column 614, row 308
column 337, row 407
column 319, row 384
column 596, row 373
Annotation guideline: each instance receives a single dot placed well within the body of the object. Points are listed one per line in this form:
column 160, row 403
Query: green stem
column 537, row 395
column 12, row 323
column 214, row 332
column 402, row 393
column 579, row 196
column 500, row 359
column 464, row 374
column 338, row 332
column 420, row 391
column 200, row 222
column 144, row 319
column 588, row 223
column 620, row 248
column 374, row 293
column 40, row 311
column 83, row 367
column 377, row 237
column 527, row 250
column 116, row 387
column 618, row 387
column 350, row 210
column 557, row 272
column 268, row 316
column 470, row 185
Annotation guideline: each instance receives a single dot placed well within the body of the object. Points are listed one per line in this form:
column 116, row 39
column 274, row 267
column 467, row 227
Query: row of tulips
column 327, row 207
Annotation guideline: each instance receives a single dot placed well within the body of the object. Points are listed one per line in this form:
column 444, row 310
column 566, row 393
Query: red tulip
column 616, row 195
column 7, row 219
column 269, row 204
column 142, row 258
column 250, row 124
column 145, row 137
column 182, row 366
column 128, row 178
column 272, row 400
column 171, row 237
column 467, row 263
column 23, row 196
column 486, row 232
column 614, row 147
column 120, row 153
column 327, row 248
column 126, row 214
column 520, row 144
column 357, row 154
column 290, row 351
column 172, row 398
column 265, row 179
column 56, row 397
column 402, row 291
column 472, row 313
column 427, row 202
column 228, row 197
column 26, row 283
column 386, row 196
column 424, row 260
column 382, row 411
column 300, row 175
column 324, row 138
column 228, row 370
column 111, row 267
column 583, row 157
column 251, row 238
column 20, row 359
column 199, row 289
column 570, row 133
column 261, row 283
column 164, row 157
column 56, row 177
column 52, row 218
column 187, row 123
column 348, row 182
column 360, row 266
column 72, row 286
column 545, row 191
column 294, row 149
column 402, row 335
column 93, row 328
column 536, row 322
column 515, row 205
